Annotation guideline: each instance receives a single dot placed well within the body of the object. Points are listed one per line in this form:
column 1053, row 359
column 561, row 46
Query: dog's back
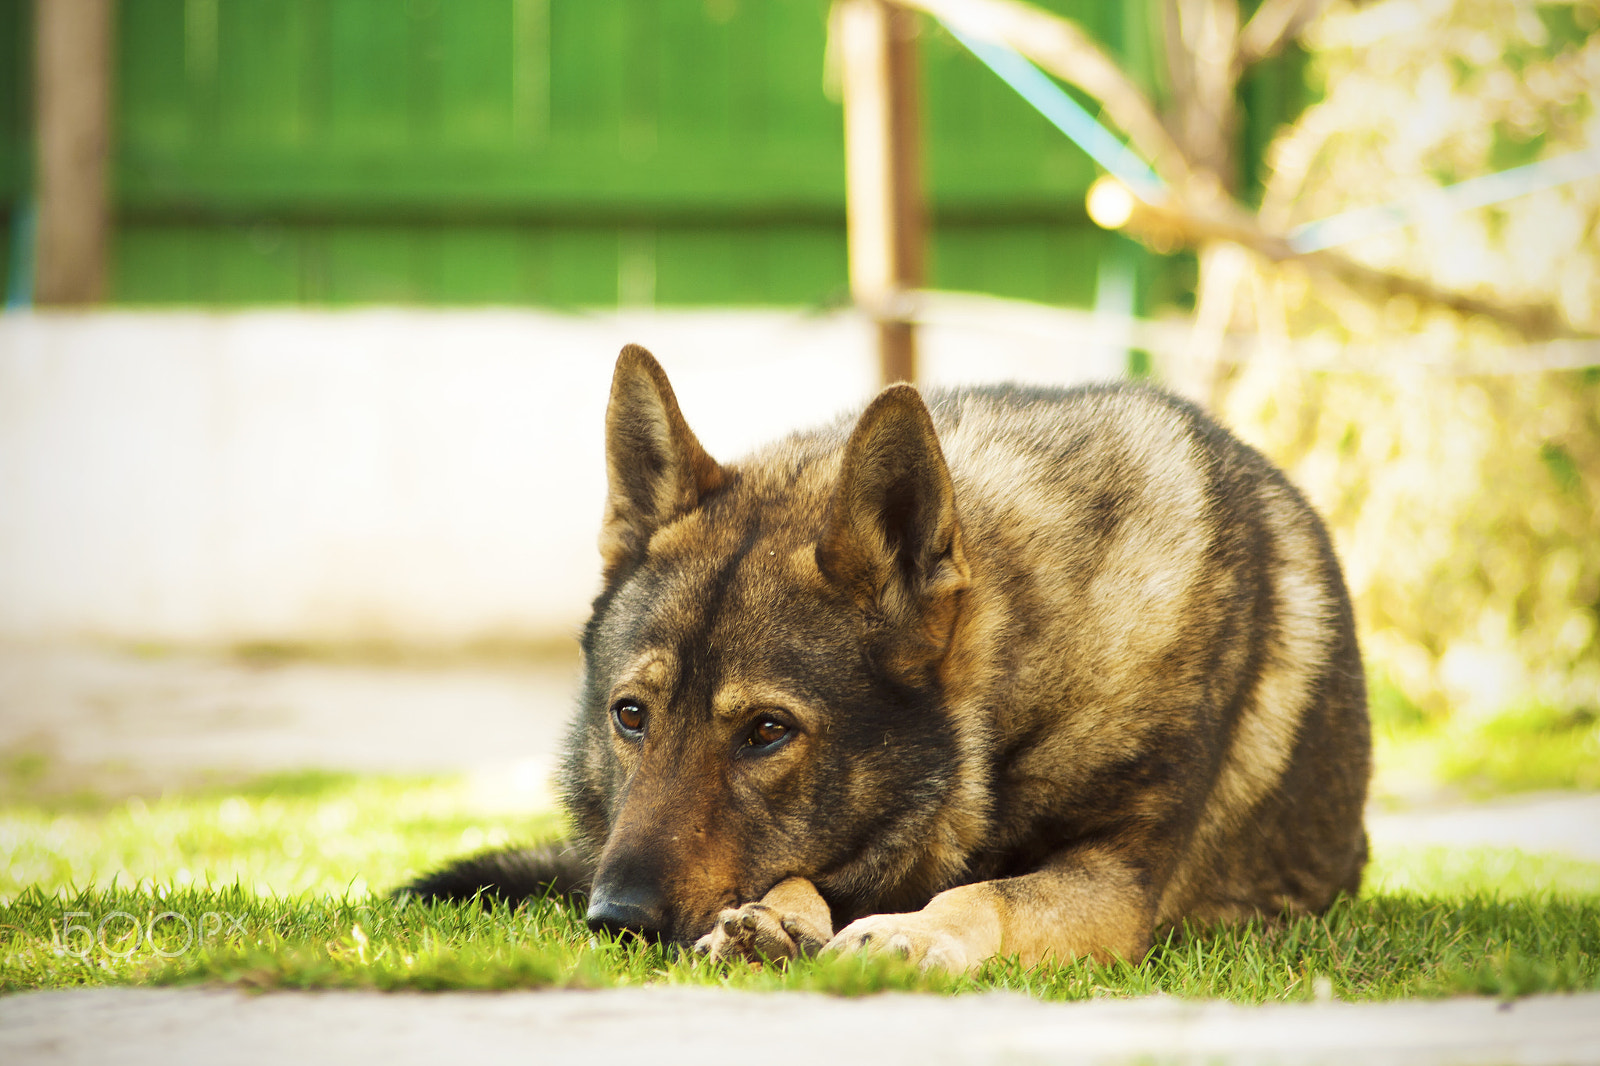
column 1158, row 634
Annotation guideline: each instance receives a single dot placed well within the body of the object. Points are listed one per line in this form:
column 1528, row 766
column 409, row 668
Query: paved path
column 704, row 1027
column 1568, row 823
column 119, row 722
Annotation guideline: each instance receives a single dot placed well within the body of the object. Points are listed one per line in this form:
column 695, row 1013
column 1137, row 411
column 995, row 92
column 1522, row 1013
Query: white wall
column 420, row 477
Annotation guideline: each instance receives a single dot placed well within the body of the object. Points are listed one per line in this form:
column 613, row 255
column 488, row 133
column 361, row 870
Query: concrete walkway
column 119, row 722
column 1567, row 823
column 703, row 1027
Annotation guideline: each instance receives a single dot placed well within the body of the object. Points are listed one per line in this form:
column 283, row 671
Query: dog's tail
column 509, row 875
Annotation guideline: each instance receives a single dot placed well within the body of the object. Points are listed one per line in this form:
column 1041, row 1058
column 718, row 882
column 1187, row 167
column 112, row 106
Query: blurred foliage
column 1423, row 93
column 1474, row 559
column 1466, row 507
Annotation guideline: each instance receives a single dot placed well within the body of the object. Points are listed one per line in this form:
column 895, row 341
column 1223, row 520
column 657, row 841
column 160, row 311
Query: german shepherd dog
column 1010, row 671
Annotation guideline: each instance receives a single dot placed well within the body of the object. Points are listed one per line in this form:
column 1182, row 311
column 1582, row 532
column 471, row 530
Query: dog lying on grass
column 995, row 671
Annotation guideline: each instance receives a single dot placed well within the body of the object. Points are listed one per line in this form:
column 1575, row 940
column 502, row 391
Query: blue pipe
column 19, row 272
column 1067, row 115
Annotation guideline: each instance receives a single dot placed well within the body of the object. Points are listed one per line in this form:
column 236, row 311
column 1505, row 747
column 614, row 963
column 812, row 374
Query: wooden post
column 883, row 172
column 72, row 79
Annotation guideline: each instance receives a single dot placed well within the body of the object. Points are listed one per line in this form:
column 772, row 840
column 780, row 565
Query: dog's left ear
column 891, row 539
column 656, row 470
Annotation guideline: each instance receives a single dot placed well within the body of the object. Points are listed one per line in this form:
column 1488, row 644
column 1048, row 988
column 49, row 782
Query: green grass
column 1522, row 749
column 279, row 885
column 299, row 835
column 1383, row 947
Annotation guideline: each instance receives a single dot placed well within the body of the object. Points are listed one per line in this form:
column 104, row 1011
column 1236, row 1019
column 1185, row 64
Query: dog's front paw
column 912, row 936
column 754, row 931
column 790, row 921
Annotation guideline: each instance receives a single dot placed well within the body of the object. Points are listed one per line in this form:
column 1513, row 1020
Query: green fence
column 558, row 152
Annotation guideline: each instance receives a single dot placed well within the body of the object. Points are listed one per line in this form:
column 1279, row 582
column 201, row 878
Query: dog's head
column 763, row 694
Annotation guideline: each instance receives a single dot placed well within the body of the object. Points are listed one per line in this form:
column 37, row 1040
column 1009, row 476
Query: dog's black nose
column 630, row 908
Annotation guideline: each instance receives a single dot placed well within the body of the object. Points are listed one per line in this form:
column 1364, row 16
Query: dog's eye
column 768, row 732
column 629, row 717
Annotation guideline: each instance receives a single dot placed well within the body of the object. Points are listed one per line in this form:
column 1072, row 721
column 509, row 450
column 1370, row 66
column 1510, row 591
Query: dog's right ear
column 656, row 470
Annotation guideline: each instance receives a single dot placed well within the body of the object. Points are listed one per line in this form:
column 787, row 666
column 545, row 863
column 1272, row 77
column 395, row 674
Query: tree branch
column 1062, row 48
column 1196, row 211
column 1176, row 223
column 1274, row 25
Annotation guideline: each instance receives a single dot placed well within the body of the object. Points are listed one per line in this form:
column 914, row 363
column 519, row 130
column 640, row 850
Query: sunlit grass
column 1534, row 748
column 1447, row 872
column 1524, row 749
column 290, row 835
column 280, row 885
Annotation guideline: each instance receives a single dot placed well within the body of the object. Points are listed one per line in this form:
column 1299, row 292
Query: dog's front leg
column 1085, row 902
column 790, row 920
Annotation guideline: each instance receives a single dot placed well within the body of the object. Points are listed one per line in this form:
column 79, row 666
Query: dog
column 1002, row 671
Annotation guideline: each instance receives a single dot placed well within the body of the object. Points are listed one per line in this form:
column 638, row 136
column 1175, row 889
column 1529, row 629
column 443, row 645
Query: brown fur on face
column 1015, row 671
